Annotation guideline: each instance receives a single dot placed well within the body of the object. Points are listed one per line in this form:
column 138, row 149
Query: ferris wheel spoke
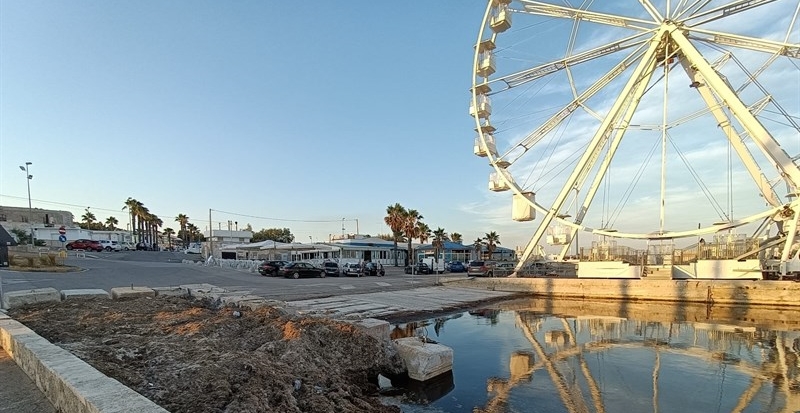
column 651, row 10
column 534, row 137
column 600, row 136
column 618, row 124
column 528, row 75
column 746, row 42
column 552, row 10
column 691, row 9
column 760, row 136
column 733, row 137
column 726, row 10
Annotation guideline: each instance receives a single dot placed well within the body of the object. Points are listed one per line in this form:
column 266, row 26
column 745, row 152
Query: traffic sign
column 62, row 238
column 62, row 230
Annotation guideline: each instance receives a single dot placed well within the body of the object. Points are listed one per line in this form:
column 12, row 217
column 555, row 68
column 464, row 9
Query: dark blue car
column 457, row 266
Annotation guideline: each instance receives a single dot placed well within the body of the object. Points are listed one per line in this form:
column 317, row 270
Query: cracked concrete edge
column 68, row 382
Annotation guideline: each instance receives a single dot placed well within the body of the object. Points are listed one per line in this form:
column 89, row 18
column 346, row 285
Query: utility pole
column 28, row 178
column 210, row 235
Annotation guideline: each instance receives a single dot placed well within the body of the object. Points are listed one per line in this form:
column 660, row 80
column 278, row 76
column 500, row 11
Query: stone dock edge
column 762, row 293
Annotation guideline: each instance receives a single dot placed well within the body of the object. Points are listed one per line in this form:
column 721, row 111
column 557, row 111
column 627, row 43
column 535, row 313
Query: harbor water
column 606, row 356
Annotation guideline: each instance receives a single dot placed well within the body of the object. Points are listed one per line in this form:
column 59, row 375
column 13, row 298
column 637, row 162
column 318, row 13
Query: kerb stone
column 171, row 292
column 126, row 292
column 39, row 295
column 86, row 293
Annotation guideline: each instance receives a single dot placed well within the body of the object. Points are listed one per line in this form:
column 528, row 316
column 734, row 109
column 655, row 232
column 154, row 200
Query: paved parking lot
column 159, row 269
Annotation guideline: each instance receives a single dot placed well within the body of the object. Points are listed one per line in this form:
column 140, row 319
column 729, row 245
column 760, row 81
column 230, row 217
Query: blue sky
column 267, row 109
column 281, row 115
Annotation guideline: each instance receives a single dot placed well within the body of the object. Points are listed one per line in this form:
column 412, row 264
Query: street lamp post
column 28, row 178
column 342, row 228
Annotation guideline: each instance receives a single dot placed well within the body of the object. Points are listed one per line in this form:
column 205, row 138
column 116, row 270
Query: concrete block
column 424, row 360
column 374, row 327
column 39, row 295
column 126, row 292
column 84, row 294
column 171, row 291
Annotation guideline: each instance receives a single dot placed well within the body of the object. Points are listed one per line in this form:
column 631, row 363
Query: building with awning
column 273, row 250
column 454, row 251
column 360, row 248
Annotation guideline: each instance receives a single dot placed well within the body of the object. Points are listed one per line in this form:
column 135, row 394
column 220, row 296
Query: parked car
column 194, row 248
column 352, row 269
column 143, row 246
column 300, row 269
column 127, row 246
column 331, row 268
column 456, row 266
column 271, row 267
column 109, row 245
column 504, row 269
column 372, row 268
column 85, row 244
column 481, row 269
column 421, row 268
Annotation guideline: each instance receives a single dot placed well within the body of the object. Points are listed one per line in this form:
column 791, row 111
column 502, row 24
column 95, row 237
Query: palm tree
column 456, row 237
column 193, row 232
column 88, row 219
column 477, row 245
column 423, row 232
column 394, row 219
column 111, row 223
column 169, row 232
column 439, row 237
column 133, row 207
column 156, row 223
column 410, row 220
column 183, row 219
column 141, row 218
column 492, row 241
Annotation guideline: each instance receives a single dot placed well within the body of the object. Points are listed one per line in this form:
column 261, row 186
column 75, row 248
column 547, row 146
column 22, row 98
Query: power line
column 199, row 220
column 281, row 219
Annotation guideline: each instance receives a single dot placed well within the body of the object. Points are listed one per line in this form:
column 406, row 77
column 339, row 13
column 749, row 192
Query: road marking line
column 347, row 287
column 382, row 284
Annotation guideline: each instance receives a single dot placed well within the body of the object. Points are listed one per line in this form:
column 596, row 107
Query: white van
column 436, row 267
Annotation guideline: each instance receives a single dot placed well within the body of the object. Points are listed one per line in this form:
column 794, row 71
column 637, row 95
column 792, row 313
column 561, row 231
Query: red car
column 85, row 244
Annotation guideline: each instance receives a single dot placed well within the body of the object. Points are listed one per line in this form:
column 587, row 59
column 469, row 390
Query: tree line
column 406, row 224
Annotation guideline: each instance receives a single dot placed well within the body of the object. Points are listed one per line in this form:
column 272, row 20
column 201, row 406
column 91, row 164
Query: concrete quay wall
column 734, row 292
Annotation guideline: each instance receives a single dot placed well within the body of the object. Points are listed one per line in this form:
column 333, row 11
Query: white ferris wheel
column 648, row 120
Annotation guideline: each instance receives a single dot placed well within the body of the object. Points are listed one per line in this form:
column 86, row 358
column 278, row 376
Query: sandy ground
column 190, row 356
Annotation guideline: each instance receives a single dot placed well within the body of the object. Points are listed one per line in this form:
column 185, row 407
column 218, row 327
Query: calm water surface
column 544, row 356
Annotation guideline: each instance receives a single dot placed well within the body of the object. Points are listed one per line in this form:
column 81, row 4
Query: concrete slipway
column 71, row 385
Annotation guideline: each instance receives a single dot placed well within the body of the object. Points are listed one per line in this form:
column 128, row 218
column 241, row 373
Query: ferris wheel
column 648, row 120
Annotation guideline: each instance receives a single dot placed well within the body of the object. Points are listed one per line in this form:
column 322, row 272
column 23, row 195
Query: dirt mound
column 190, row 356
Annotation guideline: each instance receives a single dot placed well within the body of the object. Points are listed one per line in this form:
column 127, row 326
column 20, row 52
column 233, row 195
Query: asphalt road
column 107, row 270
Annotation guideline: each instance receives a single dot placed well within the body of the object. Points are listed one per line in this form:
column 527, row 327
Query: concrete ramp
column 384, row 304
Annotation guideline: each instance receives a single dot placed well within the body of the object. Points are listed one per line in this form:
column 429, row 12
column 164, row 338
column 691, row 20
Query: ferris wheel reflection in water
column 601, row 357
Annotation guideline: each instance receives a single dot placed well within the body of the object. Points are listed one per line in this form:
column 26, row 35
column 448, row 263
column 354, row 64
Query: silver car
column 352, row 269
